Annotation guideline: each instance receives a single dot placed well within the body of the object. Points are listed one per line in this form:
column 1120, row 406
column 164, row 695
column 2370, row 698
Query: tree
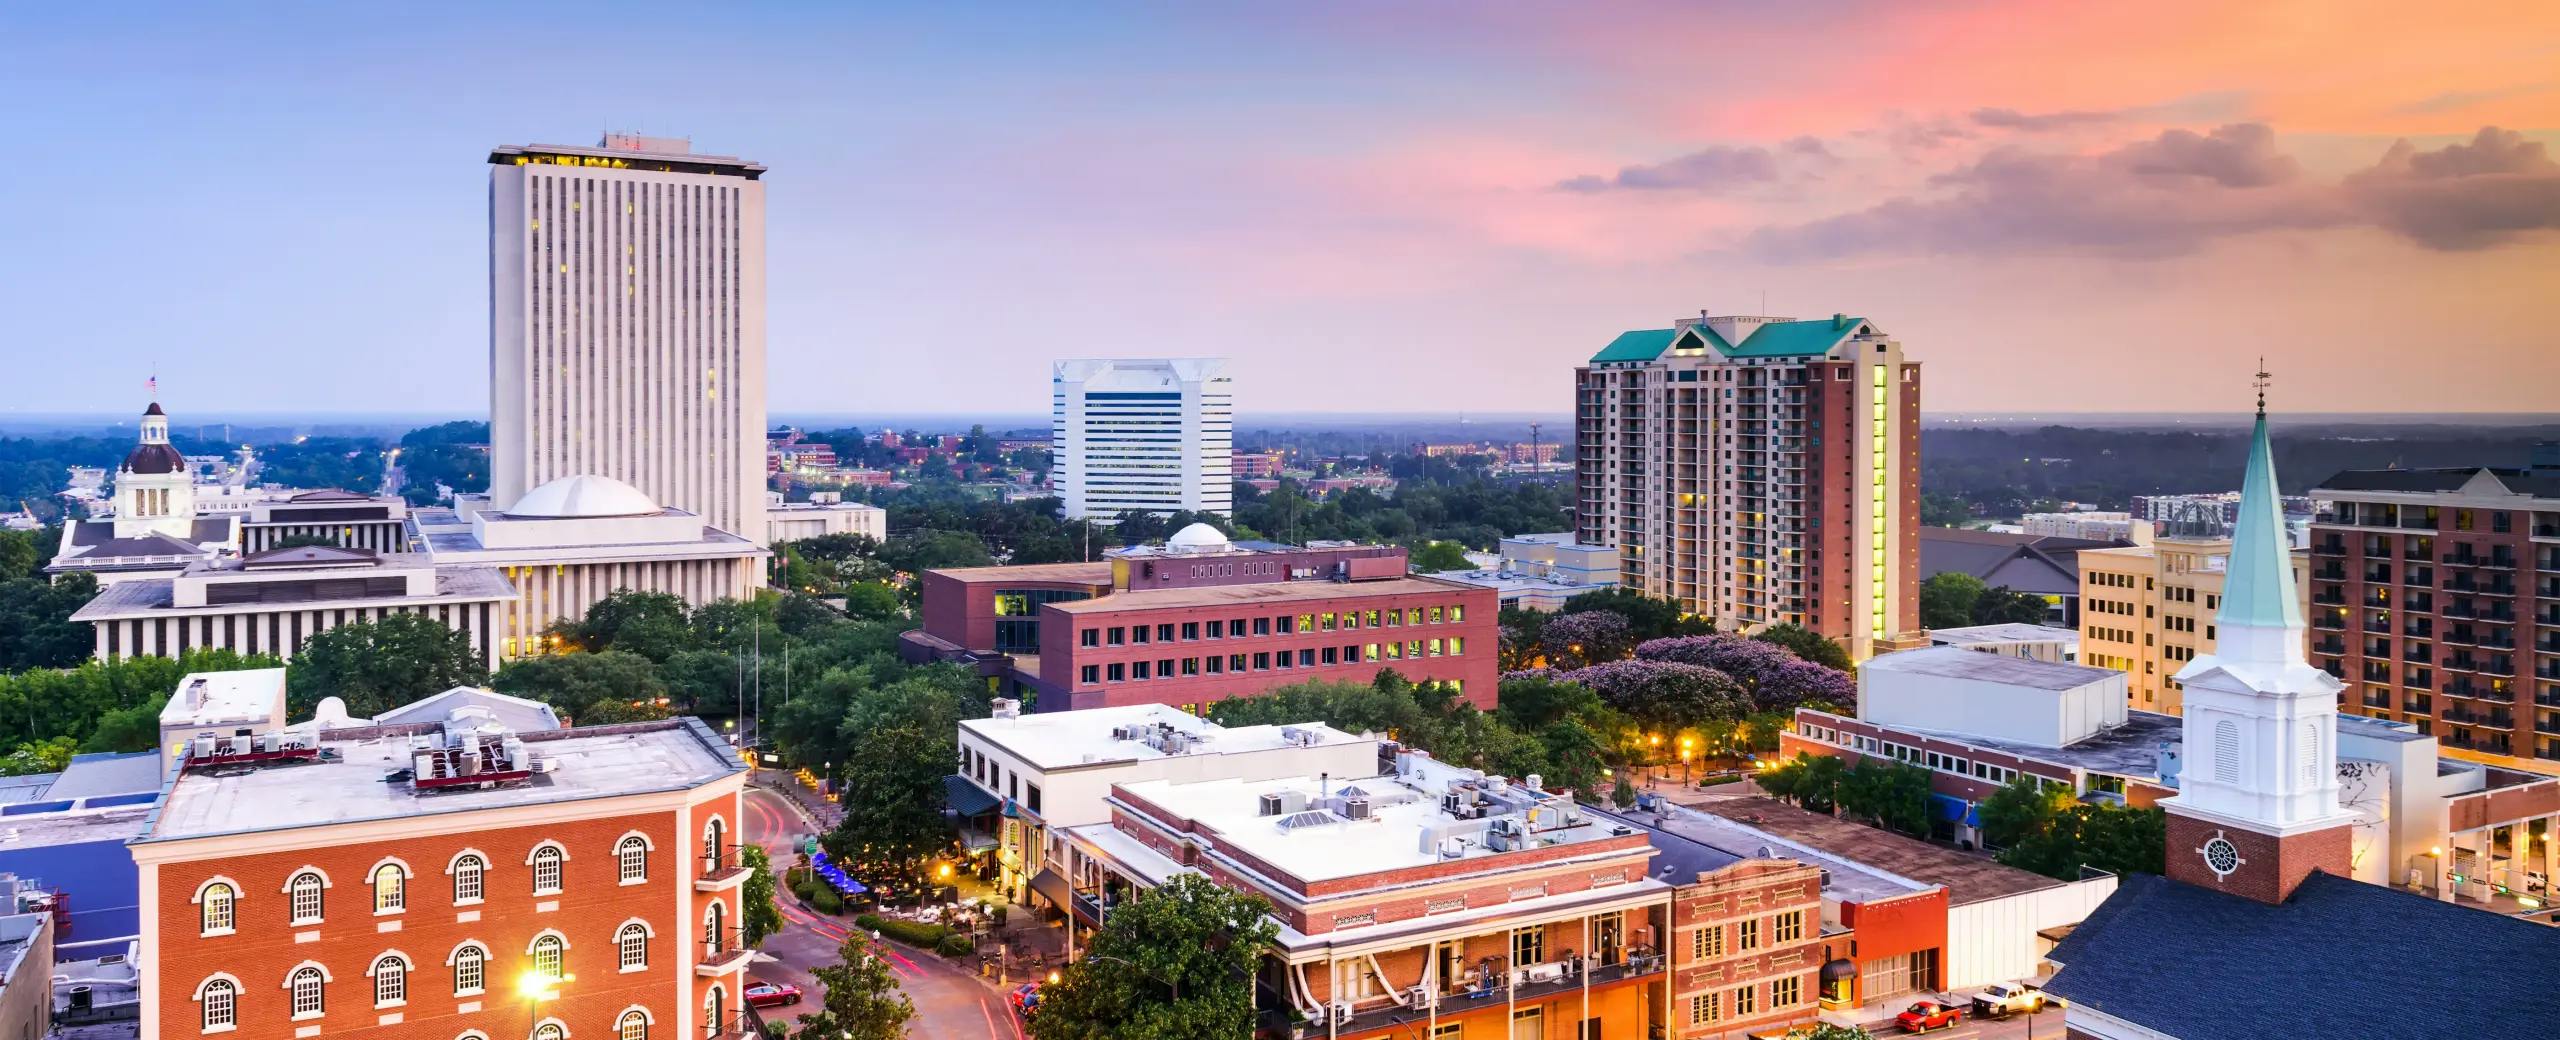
column 1947, row 599
column 1810, row 781
column 896, row 822
column 375, row 666
column 1174, row 963
column 2051, row 833
column 1588, row 637
column 1431, row 557
column 586, row 688
column 1664, row 695
column 1623, row 794
column 36, row 630
column 2005, row 605
column 38, row 756
column 1808, row 644
column 1651, row 618
column 1888, row 794
column 763, row 916
column 863, row 1001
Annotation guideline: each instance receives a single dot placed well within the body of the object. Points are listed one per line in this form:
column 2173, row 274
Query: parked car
column 2002, row 1000
column 771, row 994
column 1927, row 1015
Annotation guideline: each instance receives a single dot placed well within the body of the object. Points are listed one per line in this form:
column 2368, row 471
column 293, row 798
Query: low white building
column 570, row 543
column 1542, row 571
column 1055, row 769
column 2014, row 639
column 825, row 513
column 273, row 602
column 2095, row 526
column 2032, row 702
column 244, row 703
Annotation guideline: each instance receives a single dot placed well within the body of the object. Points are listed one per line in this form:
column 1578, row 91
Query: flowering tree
column 1664, row 694
column 1587, row 638
column 1798, row 684
column 1777, row 679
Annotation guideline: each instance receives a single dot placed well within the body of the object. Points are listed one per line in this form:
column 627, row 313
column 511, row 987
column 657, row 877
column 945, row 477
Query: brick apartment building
column 572, row 883
column 1201, row 619
column 1432, row 901
column 2435, row 596
column 1758, row 471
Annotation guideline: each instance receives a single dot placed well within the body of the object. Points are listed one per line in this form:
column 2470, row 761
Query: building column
column 2550, row 857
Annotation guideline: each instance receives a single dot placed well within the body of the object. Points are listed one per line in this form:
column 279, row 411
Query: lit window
column 217, row 909
column 550, row 955
column 550, row 1031
column 390, row 889
column 634, row 1026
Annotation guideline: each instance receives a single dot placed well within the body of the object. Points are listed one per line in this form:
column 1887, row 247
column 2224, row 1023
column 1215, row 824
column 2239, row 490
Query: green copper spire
column 2258, row 589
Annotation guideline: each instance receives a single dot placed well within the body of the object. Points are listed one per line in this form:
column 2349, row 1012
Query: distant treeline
column 2110, row 466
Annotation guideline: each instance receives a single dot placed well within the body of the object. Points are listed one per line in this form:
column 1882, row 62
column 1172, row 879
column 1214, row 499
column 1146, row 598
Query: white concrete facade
column 825, row 513
column 2021, row 699
column 1154, row 436
column 660, row 385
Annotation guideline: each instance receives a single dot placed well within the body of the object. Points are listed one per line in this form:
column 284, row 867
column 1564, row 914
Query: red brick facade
column 2270, row 868
column 1442, row 632
column 435, row 920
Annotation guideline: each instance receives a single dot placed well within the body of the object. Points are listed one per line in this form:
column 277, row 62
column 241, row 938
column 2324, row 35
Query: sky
column 1411, row 207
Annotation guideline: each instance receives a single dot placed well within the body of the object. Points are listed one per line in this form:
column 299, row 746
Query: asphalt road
column 950, row 1004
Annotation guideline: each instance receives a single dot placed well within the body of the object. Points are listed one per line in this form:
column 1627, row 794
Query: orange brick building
column 451, row 881
column 1437, row 902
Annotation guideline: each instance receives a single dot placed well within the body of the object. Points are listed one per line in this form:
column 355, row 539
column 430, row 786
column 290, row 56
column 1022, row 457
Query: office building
column 156, row 531
column 627, row 324
column 272, row 602
column 1201, row 619
column 2260, row 893
column 1024, row 777
column 1150, row 436
column 2210, row 515
column 2102, row 527
column 1428, row 900
column 2149, row 609
column 1543, row 571
column 1758, row 471
column 825, row 513
column 375, row 522
column 2435, row 595
column 551, row 884
column 568, row 544
column 1259, row 464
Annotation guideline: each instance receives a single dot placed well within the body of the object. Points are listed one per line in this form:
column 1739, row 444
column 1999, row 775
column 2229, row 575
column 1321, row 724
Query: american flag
column 152, row 384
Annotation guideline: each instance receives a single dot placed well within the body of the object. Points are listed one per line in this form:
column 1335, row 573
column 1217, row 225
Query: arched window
column 632, row 857
column 469, row 871
column 715, row 1012
column 715, row 837
column 715, row 930
column 632, row 946
column 550, row 1031
column 390, row 980
column 390, row 889
column 546, row 869
column 634, row 1026
column 470, row 969
column 550, row 955
column 305, row 889
column 219, row 999
column 216, row 907
column 308, row 984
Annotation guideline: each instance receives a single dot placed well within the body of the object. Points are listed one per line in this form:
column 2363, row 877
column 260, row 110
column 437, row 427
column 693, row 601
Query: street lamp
column 537, row 986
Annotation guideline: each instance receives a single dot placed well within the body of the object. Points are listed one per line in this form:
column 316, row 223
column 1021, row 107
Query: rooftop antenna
column 2261, row 383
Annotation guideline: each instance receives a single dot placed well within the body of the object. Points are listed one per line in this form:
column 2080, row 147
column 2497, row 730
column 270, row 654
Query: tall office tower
column 626, row 324
column 1758, row 471
column 2148, row 609
column 2435, row 595
column 1153, row 435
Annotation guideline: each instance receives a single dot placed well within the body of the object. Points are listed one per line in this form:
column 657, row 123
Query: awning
column 965, row 798
column 972, row 840
column 1954, row 810
column 1052, row 886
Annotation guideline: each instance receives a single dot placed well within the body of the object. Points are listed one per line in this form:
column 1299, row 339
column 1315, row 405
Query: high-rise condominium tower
column 1154, row 436
column 626, row 324
column 1758, row 471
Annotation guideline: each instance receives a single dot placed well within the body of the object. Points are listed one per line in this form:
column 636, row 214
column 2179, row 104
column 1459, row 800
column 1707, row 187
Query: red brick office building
column 1202, row 619
column 590, row 890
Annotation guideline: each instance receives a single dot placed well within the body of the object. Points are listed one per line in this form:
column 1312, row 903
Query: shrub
column 955, row 945
column 1728, row 778
column 912, row 933
column 826, row 901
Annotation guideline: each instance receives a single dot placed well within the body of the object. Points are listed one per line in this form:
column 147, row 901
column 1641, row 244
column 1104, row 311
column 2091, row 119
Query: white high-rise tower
column 2257, row 804
column 1153, row 436
column 626, row 324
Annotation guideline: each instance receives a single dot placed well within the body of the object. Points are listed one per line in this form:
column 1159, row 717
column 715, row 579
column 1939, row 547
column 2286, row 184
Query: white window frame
column 533, row 953
column 623, row 861
column 320, row 994
column 479, row 882
column 453, row 962
column 647, row 1021
column 551, row 1029
column 319, row 900
column 230, row 907
column 558, row 865
column 204, row 1012
column 621, row 951
column 398, row 977
column 399, row 895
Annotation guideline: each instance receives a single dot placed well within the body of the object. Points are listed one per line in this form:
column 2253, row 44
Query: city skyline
column 1323, row 190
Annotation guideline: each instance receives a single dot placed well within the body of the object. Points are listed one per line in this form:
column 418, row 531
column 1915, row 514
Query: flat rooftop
column 1098, row 573
column 1973, row 635
column 1512, row 581
column 347, row 786
column 1261, row 593
column 1059, row 739
column 1315, row 845
column 298, row 589
column 214, row 698
column 1955, row 662
column 1969, row 878
column 2132, row 749
column 1850, row 880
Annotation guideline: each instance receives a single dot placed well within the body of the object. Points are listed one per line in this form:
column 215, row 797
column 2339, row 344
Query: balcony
column 2329, row 572
column 721, row 959
column 722, row 874
column 2332, row 646
column 2329, row 596
column 2329, row 548
column 1480, row 988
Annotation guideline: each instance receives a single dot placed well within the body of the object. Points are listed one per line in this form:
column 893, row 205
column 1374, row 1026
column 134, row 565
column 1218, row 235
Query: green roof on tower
column 2258, row 589
column 1776, row 339
column 1639, row 345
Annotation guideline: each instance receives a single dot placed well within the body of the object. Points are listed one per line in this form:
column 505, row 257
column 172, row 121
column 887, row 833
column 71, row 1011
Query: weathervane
column 2261, row 383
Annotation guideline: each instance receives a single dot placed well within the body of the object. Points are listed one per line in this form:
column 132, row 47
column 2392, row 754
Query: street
column 950, row 1004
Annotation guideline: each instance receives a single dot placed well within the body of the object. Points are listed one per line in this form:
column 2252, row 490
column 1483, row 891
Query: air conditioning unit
column 1355, row 808
column 1420, row 998
column 1341, row 1011
column 1272, row 805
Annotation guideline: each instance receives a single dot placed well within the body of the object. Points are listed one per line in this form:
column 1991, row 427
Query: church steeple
column 2257, row 804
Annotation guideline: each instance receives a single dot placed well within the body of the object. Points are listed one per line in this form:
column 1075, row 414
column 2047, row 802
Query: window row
column 306, row 890
column 1718, row 940
column 219, row 999
column 1311, row 657
column 307, row 985
column 1284, row 624
column 1713, row 1007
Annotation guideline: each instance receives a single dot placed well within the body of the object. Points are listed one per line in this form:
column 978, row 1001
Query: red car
column 771, row 994
column 1024, row 998
column 1927, row 1015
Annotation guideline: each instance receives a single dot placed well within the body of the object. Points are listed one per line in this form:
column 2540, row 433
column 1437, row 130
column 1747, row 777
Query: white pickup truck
column 2002, row 1000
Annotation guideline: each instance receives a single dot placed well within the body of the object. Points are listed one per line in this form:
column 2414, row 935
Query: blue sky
column 1408, row 207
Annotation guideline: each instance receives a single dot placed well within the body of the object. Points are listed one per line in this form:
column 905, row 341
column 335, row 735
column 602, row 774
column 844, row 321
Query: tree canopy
column 862, row 999
column 1176, row 962
column 375, row 666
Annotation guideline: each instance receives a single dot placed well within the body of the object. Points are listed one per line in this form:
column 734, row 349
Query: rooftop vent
column 471, row 750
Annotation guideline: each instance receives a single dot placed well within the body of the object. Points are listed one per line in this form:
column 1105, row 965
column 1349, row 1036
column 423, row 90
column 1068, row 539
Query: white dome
column 584, row 495
column 1197, row 538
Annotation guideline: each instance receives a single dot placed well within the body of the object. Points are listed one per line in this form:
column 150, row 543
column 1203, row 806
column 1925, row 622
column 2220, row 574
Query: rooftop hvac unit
column 1272, row 805
column 1355, row 808
column 1532, row 780
column 1341, row 1011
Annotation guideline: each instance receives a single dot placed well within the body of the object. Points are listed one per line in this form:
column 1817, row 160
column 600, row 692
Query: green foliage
column 2004, row 605
column 824, row 899
column 2054, row 834
column 352, row 463
column 102, row 705
column 1887, row 794
column 763, row 916
column 36, row 630
column 1807, row 644
column 1430, row 557
column 1810, row 781
column 955, row 944
column 38, row 756
column 1623, row 793
column 1947, row 599
column 863, row 1001
column 452, row 454
column 1649, row 618
column 923, row 935
column 1174, row 963
column 588, row 689
column 376, row 666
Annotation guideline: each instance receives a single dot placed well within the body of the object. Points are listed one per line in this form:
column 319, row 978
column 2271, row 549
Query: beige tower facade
column 2149, row 609
column 626, row 324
